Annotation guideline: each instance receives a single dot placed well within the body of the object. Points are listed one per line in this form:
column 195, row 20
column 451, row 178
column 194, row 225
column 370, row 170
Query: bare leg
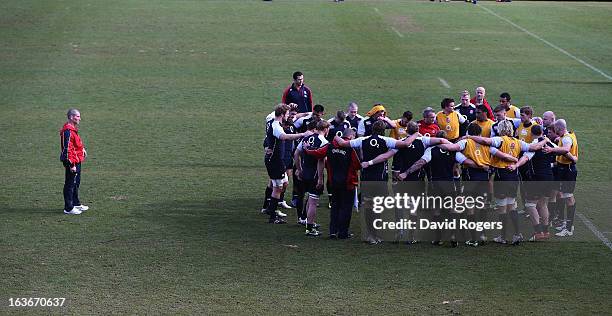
column 311, row 210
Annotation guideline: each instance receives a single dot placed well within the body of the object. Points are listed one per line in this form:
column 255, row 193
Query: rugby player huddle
column 453, row 150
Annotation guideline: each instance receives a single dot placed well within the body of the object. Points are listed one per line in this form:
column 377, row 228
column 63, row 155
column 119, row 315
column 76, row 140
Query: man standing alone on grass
column 298, row 93
column 73, row 153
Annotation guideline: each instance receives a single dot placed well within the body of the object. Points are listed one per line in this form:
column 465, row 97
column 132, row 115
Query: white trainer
column 561, row 227
column 284, row 204
column 281, row 214
column 565, row 232
column 517, row 238
column 82, row 207
column 500, row 240
column 73, row 211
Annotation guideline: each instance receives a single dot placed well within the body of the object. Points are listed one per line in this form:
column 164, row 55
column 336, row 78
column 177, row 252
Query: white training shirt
column 426, row 140
column 361, row 127
column 300, row 121
column 321, row 137
column 459, row 157
column 567, row 141
column 462, row 118
column 269, row 117
column 277, row 129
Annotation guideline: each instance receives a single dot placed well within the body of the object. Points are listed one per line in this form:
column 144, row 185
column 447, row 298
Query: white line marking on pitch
column 549, row 43
column 392, row 28
column 444, row 83
column 397, row 32
column 595, row 231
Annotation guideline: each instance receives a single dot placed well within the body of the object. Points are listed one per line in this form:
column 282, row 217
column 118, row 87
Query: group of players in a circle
column 468, row 142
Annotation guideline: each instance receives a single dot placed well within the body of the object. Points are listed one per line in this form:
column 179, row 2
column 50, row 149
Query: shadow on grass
column 574, row 82
column 216, row 165
column 30, row 210
column 215, row 218
column 239, row 220
column 204, row 208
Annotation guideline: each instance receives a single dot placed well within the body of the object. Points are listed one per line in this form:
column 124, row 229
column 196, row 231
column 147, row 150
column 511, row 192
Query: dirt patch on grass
column 404, row 23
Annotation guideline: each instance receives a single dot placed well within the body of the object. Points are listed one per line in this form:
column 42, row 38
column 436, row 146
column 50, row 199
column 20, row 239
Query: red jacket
column 486, row 105
column 428, row 129
column 71, row 145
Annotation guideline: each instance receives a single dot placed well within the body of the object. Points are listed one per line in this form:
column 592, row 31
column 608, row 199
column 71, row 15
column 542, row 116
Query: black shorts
column 475, row 174
column 298, row 185
column 567, row 175
column 525, row 173
column 442, row 188
column 288, row 161
column 555, row 171
column 276, row 168
column 540, row 185
column 413, row 185
column 439, row 190
column 415, row 176
column 371, row 189
column 475, row 181
column 506, row 183
column 311, row 187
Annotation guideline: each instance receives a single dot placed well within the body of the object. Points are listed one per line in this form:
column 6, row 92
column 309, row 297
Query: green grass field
column 173, row 96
